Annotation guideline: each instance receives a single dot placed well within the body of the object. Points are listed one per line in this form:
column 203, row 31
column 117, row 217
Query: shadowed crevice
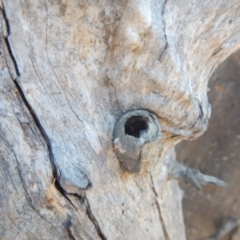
column 84, row 201
column 55, row 170
column 164, row 29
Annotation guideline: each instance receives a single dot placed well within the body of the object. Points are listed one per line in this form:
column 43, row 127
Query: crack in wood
column 8, row 42
column 68, row 227
column 94, row 221
column 55, row 170
column 165, row 34
column 84, row 201
column 28, row 198
column 166, row 236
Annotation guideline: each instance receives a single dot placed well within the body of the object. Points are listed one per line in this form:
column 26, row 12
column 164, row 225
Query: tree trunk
column 93, row 98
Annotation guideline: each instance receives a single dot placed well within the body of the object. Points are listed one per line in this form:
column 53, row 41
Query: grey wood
column 69, row 71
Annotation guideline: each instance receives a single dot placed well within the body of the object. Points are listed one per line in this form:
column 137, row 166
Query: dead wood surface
column 70, row 69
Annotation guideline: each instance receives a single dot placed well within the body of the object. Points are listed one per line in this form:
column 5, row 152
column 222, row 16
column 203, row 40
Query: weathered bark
column 70, row 70
column 214, row 210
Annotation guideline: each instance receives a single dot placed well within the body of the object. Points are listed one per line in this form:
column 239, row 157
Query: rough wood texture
column 206, row 212
column 70, row 69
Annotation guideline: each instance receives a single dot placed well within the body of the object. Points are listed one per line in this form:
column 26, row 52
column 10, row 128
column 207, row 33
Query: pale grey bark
column 70, row 69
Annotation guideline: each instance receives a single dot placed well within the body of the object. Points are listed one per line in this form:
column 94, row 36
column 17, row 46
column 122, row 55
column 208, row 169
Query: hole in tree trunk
column 136, row 125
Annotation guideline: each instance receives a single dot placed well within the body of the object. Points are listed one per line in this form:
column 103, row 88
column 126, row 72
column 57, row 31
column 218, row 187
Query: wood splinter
column 192, row 176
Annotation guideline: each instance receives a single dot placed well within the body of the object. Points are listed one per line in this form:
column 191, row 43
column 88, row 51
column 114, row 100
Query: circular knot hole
column 136, row 125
